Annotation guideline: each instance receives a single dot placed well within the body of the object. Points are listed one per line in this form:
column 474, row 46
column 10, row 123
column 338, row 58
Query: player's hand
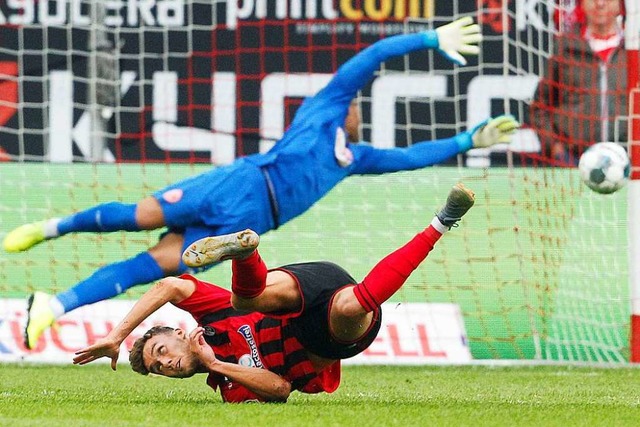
column 460, row 37
column 496, row 130
column 200, row 348
column 102, row 348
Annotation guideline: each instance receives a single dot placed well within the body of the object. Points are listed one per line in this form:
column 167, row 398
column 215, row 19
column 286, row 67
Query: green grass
column 377, row 395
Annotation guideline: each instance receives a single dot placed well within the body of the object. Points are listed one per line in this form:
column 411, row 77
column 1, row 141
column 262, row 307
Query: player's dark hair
column 135, row 355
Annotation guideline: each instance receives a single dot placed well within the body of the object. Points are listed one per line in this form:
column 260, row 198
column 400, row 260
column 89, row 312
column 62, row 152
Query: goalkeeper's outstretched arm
column 370, row 160
column 453, row 40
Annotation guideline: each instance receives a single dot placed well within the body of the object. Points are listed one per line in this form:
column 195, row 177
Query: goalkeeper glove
column 460, row 37
column 497, row 130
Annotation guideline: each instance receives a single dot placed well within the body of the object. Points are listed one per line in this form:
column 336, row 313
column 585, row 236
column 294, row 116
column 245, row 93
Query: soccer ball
column 604, row 167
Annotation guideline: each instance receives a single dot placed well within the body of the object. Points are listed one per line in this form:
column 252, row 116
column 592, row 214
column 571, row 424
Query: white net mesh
column 156, row 90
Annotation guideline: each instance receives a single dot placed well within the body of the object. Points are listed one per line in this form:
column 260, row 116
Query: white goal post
column 632, row 44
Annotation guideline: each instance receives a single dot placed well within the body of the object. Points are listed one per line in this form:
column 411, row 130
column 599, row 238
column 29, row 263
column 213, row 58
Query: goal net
column 103, row 101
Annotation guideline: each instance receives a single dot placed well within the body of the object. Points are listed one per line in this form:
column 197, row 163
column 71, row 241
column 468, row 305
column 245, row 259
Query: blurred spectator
column 583, row 90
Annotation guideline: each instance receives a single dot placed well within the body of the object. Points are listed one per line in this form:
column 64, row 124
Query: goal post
column 632, row 45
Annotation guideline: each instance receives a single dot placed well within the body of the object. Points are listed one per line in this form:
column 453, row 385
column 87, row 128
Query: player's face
column 352, row 122
column 601, row 12
column 169, row 355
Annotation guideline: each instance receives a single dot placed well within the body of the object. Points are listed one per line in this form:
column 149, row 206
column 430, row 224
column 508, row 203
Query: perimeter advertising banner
column 411, row 333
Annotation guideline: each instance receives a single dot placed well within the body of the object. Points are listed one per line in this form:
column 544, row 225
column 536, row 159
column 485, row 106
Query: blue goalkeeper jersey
column 302, row 165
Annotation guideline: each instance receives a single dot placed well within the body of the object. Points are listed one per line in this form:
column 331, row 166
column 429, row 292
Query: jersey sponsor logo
column 172, row 196
column 245, row 331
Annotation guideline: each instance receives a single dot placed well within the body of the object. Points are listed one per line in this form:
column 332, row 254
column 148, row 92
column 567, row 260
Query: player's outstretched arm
column 494, row 130
column 371, row 161
column 454, row 40
column 267, row 385
column 170, row 289
column 458, row 38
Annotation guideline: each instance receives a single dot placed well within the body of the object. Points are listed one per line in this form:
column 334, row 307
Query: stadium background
column 516, row 267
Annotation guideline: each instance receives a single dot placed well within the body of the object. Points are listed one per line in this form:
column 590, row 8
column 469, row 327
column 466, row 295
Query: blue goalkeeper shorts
column 221, row 201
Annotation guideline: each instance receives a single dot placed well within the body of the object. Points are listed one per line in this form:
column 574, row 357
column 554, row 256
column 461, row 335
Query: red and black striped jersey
column 253, row 339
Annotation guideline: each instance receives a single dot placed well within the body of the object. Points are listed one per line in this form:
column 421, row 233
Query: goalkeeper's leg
column 352, row 306
column 107, row 217
column 106, row 282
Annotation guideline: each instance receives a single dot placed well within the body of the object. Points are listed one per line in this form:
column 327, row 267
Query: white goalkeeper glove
column 496, row 130
column 460, row 37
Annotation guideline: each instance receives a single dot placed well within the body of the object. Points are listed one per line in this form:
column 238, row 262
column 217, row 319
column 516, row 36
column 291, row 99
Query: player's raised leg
column 351, row 305
column 249, row 271
column 103, row 218
column 459, row 201
column 28, row 235
column 209, row 250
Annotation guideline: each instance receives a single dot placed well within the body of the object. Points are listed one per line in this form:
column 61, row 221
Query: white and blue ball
column 604, row 167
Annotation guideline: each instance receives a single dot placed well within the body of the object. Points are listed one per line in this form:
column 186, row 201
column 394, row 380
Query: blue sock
column 112, row 216
column 111, row 280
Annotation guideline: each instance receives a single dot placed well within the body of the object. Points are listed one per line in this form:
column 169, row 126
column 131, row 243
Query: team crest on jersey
column 246, row 333
column 246, row 360
column 172, row 196
column 341, row 151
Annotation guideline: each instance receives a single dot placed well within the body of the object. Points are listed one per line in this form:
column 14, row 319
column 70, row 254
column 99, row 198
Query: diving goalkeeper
column 261, row 191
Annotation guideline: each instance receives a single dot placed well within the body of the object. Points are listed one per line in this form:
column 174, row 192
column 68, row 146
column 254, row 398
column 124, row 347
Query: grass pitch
column 374, row 395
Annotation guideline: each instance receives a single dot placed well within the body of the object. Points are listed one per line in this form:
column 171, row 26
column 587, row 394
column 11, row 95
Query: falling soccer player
column 278, row 330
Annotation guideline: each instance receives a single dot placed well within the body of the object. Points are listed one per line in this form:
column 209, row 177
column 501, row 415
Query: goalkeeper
column 276, row 331
column 261, row 191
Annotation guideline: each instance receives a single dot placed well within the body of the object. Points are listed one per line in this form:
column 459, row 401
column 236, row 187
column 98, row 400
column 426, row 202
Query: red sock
column 249, row 276
column 393, row 270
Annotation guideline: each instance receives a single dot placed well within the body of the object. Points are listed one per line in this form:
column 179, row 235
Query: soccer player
column 278, row 330
column 261, row 191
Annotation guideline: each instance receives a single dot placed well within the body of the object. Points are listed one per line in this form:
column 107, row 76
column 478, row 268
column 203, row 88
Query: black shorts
column 318, row 282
